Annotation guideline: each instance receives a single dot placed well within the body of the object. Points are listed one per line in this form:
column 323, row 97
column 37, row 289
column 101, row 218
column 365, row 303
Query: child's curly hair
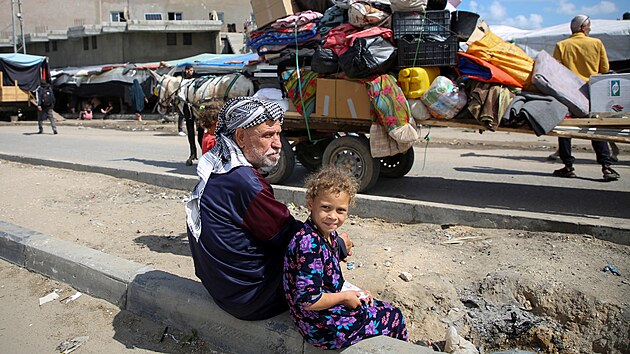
column 209, row 115
column 333, row 180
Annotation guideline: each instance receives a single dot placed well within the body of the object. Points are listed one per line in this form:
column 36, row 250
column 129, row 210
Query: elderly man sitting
column 238, row 231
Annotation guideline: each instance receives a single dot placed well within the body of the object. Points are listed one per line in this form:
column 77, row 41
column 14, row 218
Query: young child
column 326, row 316
column 208, row 122
column 86, row 113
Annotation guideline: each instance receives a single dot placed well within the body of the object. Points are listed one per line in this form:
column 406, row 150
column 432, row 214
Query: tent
column 614, row 34
column 26, row 69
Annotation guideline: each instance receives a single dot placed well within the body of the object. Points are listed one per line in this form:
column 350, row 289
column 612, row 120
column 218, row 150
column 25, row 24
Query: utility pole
column 19, row 16
column 13, row 39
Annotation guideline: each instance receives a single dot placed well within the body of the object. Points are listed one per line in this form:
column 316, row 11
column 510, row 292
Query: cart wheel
column 310, row 153
column 398, row 165
column 353, row 154
column 283, row 170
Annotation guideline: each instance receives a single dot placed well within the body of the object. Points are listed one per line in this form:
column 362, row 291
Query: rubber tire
column 286, row 164
column 353, row 154
column 310, row 154
column 398, row 165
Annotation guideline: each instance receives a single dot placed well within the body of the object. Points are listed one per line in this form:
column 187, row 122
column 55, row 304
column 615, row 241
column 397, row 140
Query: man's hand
column 349, row 244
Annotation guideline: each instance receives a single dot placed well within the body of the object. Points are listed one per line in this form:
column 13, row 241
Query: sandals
column 566, row 172
column 610, row 174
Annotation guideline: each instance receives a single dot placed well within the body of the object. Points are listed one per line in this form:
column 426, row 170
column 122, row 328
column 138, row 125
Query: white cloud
column 600, row 8
column 603, row 7
column 497, row 14
column 565, row 7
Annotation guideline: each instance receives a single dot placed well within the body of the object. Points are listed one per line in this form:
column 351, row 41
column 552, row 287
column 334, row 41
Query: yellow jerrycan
column 415, row 81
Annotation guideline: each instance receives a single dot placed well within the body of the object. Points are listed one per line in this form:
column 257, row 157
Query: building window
column 174, row 16
column 220, row 15
column 187, row 38
column 86, row 43
column 46, row 47
column 54, row 46
column 118, row 16
column 94, row 46
column 171, row 39
column 153, row 17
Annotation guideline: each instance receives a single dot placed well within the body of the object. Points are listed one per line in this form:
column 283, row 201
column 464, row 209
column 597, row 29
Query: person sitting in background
column 86, row 113
column 107, row 109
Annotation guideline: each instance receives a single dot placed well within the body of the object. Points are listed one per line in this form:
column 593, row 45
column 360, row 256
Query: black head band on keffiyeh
column 243, row 112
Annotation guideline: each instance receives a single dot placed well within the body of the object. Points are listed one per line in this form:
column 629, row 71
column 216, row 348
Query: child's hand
column 352, row 299
column 366, row 296
column 349, row 244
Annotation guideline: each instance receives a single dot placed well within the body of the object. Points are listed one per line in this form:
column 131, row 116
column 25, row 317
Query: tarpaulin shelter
column 25, row 68
column 614, row 34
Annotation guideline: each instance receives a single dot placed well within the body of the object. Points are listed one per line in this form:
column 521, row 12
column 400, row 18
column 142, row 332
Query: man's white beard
column 267, row 162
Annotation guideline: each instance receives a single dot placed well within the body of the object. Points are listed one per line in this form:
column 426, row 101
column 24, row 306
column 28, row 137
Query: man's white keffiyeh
column 239, row 112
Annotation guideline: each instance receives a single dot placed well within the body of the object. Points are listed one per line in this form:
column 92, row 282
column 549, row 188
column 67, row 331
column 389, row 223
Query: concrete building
column 95, row 32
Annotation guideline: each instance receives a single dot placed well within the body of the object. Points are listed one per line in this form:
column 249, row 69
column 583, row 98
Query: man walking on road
column 45, row 100
column 585, row 56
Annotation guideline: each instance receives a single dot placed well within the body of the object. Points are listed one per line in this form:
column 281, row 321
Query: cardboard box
column 342, row 99
column 610, row 93
column 267, row 11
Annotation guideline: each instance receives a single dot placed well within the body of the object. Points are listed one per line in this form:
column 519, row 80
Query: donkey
column 191, row 94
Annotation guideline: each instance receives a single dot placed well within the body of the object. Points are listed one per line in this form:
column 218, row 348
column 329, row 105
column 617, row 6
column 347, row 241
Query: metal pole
column 13, row 25
column 21, row 25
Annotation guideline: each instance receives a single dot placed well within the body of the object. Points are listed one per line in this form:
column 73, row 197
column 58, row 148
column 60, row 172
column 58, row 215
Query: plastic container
column 414, row 24
column 418, row 52
column 415, row 81
column 444, row 99
column 463, row 24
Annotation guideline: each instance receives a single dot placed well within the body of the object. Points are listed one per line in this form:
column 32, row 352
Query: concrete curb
column 389, row 209
column 163, row 297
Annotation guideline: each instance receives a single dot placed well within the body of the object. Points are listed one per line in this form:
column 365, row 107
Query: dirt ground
column 502, row 289
column 27, row 327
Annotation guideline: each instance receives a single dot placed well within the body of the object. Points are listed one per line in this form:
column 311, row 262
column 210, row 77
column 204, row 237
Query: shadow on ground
column 177, row 245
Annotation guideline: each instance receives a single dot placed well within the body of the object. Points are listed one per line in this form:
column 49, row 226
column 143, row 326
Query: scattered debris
column 457, row 344
column 612, row 269
column 67, row 299
column 462, row 240
column 350, row 265
column 387, row 264
column 387, row 249
column 48, row 298
column 406, row 276
column 68, row 346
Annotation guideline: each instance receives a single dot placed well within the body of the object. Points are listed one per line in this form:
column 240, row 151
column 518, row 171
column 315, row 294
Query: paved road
column 476, row 176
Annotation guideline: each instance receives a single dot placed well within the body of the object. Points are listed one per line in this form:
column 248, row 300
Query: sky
column 532, row 14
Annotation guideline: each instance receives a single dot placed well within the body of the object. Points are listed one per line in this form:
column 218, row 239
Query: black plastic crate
column 413, row 24
column 418, row 52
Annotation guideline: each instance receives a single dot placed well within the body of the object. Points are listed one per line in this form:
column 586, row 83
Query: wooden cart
column 345, row 143
column 12, row 94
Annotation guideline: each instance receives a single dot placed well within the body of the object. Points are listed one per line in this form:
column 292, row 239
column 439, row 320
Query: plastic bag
column 444, row 99
column 418, row 110
column 368, row 56
column 382, row 145
column 325, row 61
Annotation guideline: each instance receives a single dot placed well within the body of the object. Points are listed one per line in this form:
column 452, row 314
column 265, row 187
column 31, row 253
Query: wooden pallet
column 12, row 93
